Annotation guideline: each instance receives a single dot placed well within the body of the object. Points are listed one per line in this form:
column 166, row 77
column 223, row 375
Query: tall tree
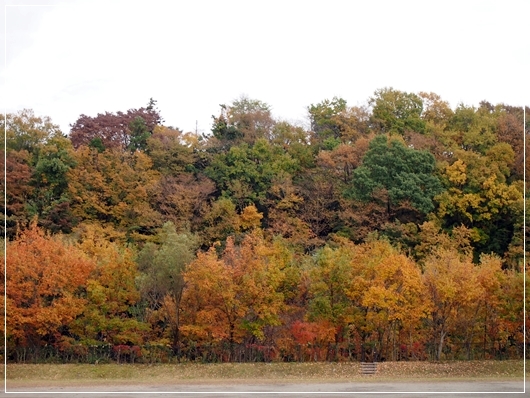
column 51, row 199
column 370, row 290
column 388, row 296
column 19, row 190
column 324, row 118
column 244, row 120
column 478, row 197
column 320, row 204
column 510, row 129
column 407, row 175
column 341, row 161
column 162, row 268
column 474, row 129
column 36, row 146
column 235, row 296
column 183, row 199
column 26, row 131
column 435, row 112
column 330, row 281
column 116, row 130
column 45, row 282
column 452, row 285
column 171, row 151
column 245, row 173
column 115, row 188
column 395, row 111
column 252, row 117
column 111, row 294
column 285, row 216
column 296, row 141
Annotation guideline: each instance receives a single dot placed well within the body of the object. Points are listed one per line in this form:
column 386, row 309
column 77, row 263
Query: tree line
column 389, row 231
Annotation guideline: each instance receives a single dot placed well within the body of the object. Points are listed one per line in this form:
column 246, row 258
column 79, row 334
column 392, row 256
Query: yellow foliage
column 250, row 218
column 456, row 172
column 236, row 293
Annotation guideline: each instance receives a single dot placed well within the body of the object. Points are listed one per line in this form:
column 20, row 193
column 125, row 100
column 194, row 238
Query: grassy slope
column 68, row 374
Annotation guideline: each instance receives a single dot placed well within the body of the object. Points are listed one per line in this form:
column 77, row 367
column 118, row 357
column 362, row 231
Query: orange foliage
column 235, row 295
column 44, row 279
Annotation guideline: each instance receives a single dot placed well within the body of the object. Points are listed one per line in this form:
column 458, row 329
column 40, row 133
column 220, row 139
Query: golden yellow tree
column 235, row 296
column 453, row 288
column 114, row 188
column 110, row 294
column 388, row 294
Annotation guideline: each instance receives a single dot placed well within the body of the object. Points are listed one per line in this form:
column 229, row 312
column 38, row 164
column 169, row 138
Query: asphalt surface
column 488, row 389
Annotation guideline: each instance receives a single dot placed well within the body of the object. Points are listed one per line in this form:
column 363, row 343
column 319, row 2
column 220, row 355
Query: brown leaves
column 183, row 199
column 112, row 129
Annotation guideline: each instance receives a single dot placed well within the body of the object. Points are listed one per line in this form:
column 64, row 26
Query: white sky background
column 87, row 57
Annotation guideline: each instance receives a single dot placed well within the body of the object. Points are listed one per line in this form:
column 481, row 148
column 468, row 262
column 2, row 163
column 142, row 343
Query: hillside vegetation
column 391, row 231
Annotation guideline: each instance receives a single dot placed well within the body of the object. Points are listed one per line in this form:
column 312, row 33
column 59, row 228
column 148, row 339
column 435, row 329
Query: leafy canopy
column 405, row 173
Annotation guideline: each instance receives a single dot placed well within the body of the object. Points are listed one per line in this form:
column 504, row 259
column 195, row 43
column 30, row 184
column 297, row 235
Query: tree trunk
column 176, row 337
column 440, row 345
column 231, row 341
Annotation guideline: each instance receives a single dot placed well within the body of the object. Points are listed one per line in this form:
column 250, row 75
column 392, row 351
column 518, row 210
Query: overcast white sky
column 87, row 57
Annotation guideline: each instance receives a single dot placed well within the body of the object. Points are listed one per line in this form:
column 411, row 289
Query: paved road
column 488, row 389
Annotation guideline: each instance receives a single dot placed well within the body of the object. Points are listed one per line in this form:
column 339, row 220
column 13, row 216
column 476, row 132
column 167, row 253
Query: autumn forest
column 388, row 231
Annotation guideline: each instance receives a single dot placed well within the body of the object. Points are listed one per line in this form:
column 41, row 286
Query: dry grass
column 44, row 374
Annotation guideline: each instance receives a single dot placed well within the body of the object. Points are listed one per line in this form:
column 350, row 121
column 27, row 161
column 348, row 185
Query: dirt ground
column 482, row 388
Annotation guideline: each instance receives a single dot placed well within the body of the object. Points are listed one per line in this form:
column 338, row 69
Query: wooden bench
column 368, row 368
